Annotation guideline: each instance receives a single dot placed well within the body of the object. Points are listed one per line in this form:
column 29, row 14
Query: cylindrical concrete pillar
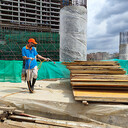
column 73, row 21
column 123, row 48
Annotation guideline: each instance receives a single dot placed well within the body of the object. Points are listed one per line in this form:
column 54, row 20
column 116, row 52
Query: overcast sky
column 106, row 19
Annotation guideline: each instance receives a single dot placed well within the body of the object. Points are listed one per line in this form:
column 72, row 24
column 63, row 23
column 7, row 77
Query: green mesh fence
column 123, row 64
column 49, row 70
column 10, row 71
column 12, row 41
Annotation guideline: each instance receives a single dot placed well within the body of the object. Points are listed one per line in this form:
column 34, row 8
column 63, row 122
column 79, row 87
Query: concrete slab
column 54, row 99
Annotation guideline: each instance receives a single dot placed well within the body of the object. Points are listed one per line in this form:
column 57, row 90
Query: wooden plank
column 96, row 80
column 95, row 76
column 22, row 118
column 46, row 121
column 99, row 69
column 59, row 123
column 99, row 88
column 104, row 95
column 62, row 123
column 99, row 76
column 94, row 67
column 76, row 78
column 102, row 99
column 96, row 72
column 86, row 62
column 97, row 61
column 92, row 63
column 18, row 112
column 114, row 84
column 7, row 108
column 98, row 93
column 83, row 64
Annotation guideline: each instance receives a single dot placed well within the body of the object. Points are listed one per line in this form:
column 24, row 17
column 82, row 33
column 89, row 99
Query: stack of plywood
column 103, row 81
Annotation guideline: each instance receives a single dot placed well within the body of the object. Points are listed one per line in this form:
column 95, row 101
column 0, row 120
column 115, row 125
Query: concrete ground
column 54, row 99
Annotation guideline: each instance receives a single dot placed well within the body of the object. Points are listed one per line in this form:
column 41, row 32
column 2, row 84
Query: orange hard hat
column 32, row 40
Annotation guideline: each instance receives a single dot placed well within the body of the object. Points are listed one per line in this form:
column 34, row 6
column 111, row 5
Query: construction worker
column 29, row 54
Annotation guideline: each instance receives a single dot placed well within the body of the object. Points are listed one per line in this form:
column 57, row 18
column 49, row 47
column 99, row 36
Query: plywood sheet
column 96, row 72
column 92, row 63
column 100, row 88
column 95, row 95
column 116, row 84
column 100, row 75
column 98, row 78
column 94, row 67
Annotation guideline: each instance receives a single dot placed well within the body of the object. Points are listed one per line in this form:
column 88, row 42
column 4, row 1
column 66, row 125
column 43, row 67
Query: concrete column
column 123, row 51
column 123, row 48
column 19, row 11
column 73, row 39
column 0, row 13
column 41, row 11
column 50, row 13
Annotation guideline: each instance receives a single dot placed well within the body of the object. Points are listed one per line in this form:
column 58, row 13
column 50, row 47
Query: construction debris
column 16, row 115
column 102, row 81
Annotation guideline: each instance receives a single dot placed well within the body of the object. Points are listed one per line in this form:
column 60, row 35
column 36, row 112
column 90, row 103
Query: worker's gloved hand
column 47, row 59
column 31, row 58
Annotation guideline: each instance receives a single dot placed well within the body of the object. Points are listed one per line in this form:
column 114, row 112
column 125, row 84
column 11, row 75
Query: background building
column 24, row 19
column 102, row 56
column 42, row 15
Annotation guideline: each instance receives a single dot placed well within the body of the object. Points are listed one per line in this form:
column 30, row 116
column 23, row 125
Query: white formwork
column 73, row 34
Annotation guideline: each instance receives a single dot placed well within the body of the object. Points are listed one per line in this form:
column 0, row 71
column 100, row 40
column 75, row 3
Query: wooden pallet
column 102, row 81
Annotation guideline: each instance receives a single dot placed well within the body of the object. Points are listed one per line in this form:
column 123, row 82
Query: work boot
column 33, row 83
column 30, row 86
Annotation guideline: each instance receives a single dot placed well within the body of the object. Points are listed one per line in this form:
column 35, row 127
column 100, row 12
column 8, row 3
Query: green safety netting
column 10, row 71
column 123, row 64
column 12, row 42
column 39, row 36
column 49, row 70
